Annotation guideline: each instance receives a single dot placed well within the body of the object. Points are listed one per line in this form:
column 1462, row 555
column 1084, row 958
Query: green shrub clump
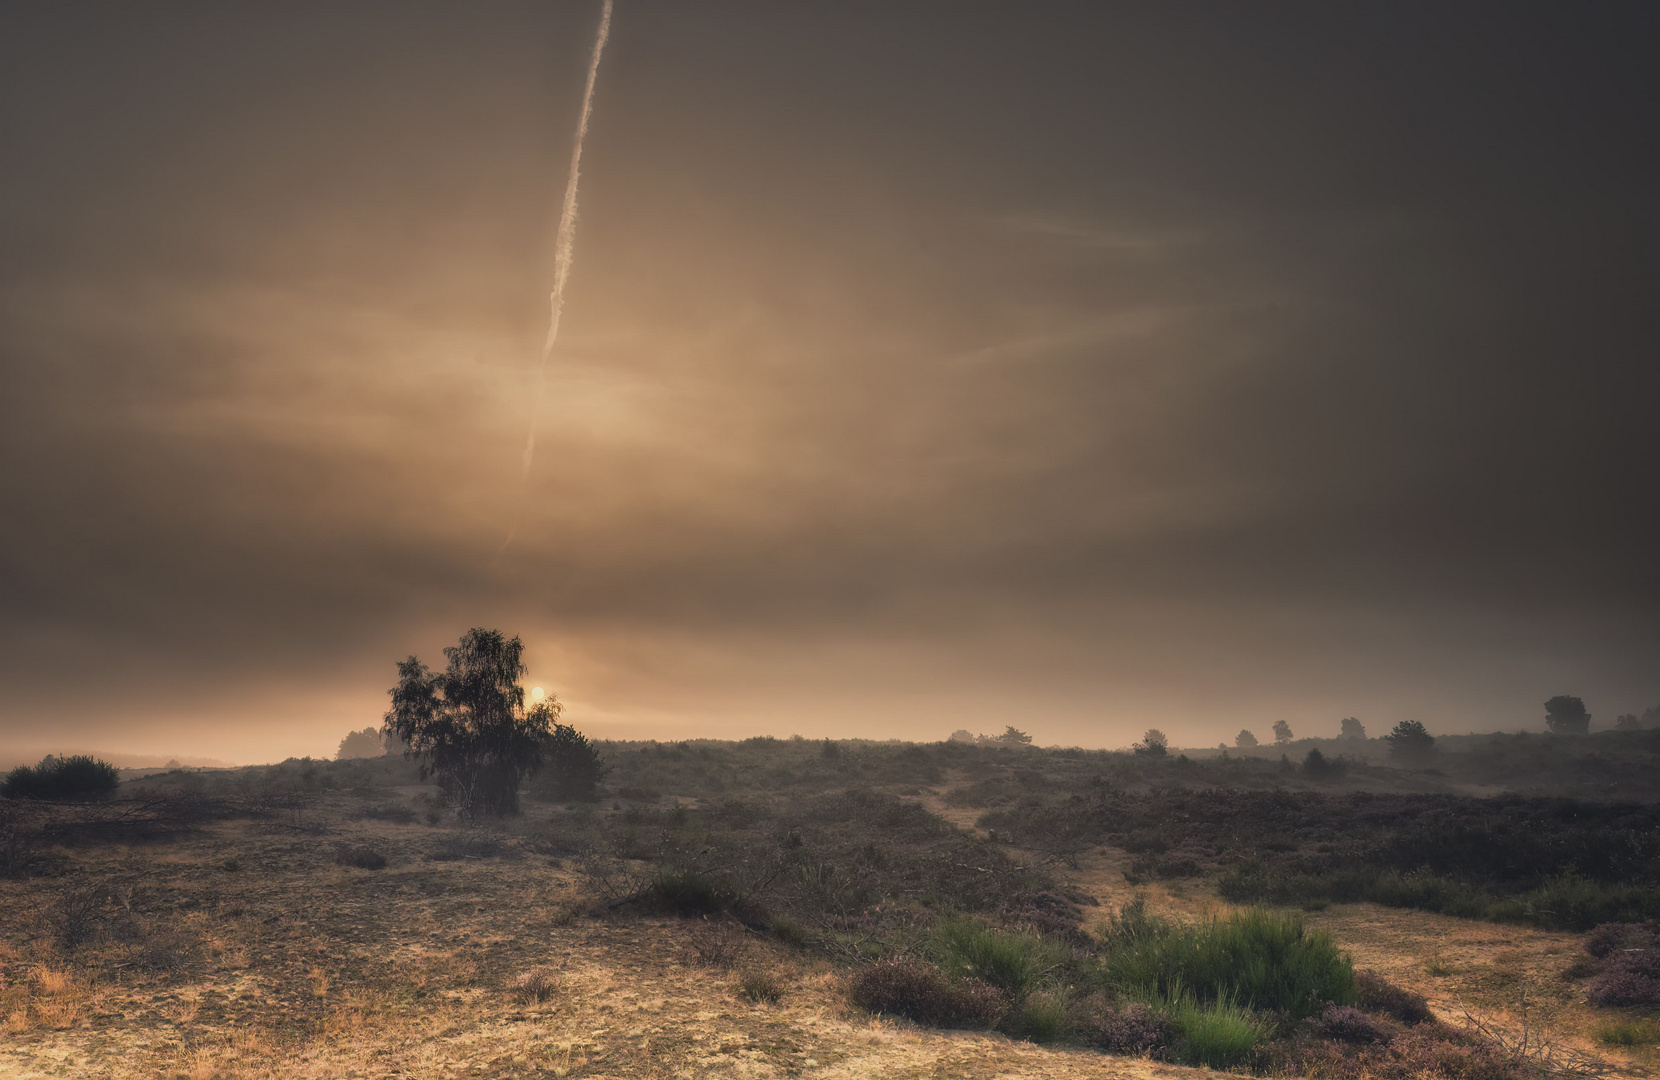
column 1259, row 960
column 1014, row 962
column 78, row 776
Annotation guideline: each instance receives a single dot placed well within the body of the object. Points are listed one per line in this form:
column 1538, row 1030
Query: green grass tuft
column 1260, row 959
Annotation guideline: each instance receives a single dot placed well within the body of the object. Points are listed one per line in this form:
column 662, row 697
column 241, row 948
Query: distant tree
column 1282, row 732
column 1154, row 744
column 366, row 743
column 1410, row 741
column 467, row 726
column 1626, row 722
column 1567, row 716
column 1244, row 739
column 1353, row 729
column 962, row 734
column 1651, row 716
column 1318, row 766
column 76, row 778
column 1012, row 736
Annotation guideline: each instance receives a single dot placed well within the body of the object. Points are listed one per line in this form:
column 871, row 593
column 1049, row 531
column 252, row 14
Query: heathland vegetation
column 1155, row 903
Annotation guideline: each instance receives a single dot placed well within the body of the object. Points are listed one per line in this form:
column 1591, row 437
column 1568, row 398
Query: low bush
column 761, row 985
column 1345, row 1023
column 1256, row 959
column 1040, row 1018
column 1013, row 962
column 1628, row 1033
column 919, row 991
column 1121, row 1028
column 1623, row 964
column 537, row 986
column 76, row 777
column 1218, row 1033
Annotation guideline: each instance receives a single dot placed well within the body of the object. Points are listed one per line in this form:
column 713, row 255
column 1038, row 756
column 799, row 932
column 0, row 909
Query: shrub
column 1629, row 978
column 1345, row 1023
column 537, row 985
column 359, row 855
column 1040, row 1018
column 922, row 992
column 1012, row 962
column 760, row 985
column 789, row 931
column 1376, row 994
column 1131, row 1028
column 1628, row 1033
column 76, row 777
column 1219, row 1034
column 1257, row 959
column 686, row 892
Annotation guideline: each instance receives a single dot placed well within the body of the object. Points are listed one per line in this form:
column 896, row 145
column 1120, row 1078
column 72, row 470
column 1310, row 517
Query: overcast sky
column 1082, row 367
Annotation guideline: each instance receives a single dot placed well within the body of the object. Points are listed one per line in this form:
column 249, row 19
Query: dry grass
column 293, row 967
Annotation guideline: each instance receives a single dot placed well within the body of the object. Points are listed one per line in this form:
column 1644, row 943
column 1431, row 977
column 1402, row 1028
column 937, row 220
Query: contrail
column 564, row 249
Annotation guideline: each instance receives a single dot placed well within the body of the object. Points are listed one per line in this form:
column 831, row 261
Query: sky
column 1079, row 367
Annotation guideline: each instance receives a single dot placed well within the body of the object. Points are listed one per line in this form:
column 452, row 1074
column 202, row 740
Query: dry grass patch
column 537, row 986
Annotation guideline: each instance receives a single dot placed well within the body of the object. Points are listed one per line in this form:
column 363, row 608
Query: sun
column 537, row 693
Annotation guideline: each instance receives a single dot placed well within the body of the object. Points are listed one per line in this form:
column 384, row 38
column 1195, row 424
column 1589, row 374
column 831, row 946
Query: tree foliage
column 573, row 766
column 467, row 726
column 367, row 743
column 1353, row 729
column 1627, row 722
column 1410, row 741
column 1245, row 739
column 1154, row 744
column 1282, row 732
column 1566, row 715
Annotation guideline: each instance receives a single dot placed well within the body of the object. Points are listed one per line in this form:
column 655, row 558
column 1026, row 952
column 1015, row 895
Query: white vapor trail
column 564, row 250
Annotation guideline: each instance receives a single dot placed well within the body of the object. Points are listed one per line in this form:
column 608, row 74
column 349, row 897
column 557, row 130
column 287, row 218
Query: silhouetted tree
column 1626, row 722
column 1244, row 739
column 1317, row 766
column 468, row 726
column 962, row 734
column 1651, row 716
column 1410, row 741
column 1282, row 732
column 1154, row 744
column 1567, row 716
column 361, row 744
column 1012, row 736
column 1353, row 729
column 572, row 767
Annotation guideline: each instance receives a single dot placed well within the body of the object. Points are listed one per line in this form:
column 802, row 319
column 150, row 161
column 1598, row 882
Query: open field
column 704, row 919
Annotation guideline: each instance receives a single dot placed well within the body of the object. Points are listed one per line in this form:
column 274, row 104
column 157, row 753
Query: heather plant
column 917, row 990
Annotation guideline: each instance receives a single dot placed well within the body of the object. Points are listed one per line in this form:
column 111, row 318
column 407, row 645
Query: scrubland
column 840, row 909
